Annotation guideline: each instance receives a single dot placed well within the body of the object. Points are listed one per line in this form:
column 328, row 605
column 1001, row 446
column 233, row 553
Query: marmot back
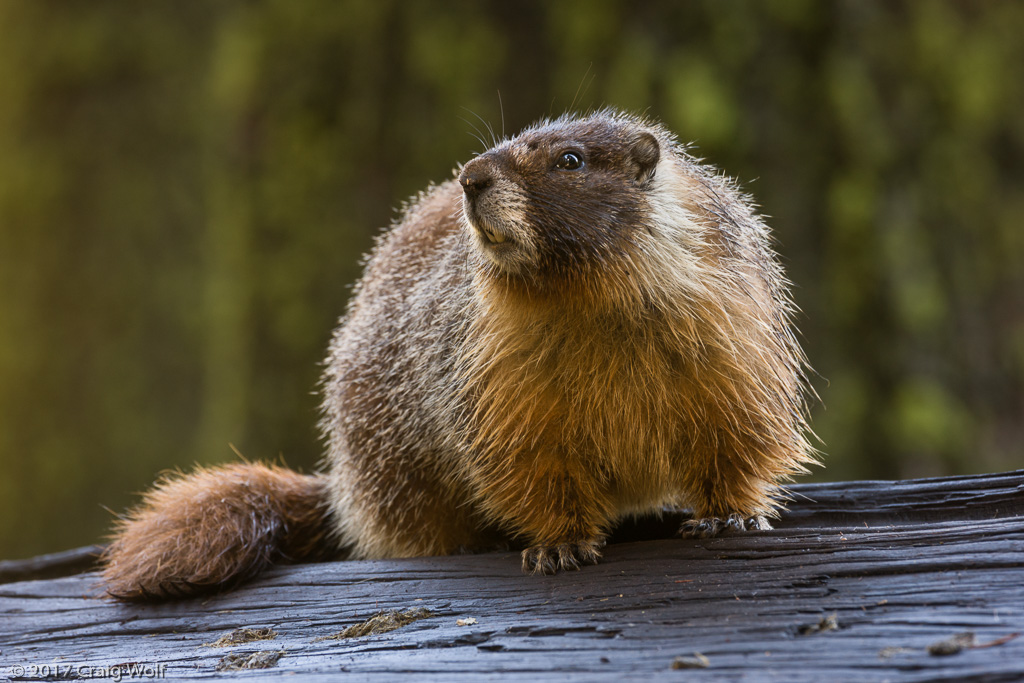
column 586, row 324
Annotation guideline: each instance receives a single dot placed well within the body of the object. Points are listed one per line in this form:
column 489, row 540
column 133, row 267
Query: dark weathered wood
column 901, row 565
column 64, row 563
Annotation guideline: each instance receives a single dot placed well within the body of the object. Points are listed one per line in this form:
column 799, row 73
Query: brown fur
column 213, row 528
column 530, row 356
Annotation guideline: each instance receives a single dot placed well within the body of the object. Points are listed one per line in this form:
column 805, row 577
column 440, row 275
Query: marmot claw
column 549, row 559
column 707, row 527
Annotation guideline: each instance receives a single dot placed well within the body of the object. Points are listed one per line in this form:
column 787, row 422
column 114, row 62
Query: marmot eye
column 569, row 161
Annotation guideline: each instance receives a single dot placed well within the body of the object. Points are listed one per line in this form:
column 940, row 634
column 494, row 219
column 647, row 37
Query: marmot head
column 563, row 197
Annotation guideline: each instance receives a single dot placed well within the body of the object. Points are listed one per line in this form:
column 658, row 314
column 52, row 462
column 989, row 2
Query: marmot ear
column 644, row 153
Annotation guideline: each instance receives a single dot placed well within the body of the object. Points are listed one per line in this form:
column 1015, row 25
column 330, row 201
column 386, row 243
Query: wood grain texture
column 901, row 565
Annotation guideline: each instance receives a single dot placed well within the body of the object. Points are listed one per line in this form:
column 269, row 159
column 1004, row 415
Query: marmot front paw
column 548, row 559
column 706, row 527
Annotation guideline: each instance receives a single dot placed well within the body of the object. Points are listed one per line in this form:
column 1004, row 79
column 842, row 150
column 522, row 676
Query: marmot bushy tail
column 214, row 528
column 586, row 324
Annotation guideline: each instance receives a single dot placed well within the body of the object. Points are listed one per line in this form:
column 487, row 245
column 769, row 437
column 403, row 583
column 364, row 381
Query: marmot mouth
column 490, row 233
column 492, row 236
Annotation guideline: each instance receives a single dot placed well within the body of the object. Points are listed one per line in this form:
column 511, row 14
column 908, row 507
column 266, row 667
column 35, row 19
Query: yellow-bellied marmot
column 586, row 324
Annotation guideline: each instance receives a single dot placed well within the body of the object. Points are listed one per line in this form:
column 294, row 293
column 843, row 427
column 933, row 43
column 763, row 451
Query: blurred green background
column 186, row 189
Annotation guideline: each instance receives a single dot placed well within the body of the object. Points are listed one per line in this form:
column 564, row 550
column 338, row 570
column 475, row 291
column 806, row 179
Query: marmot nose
column 475, row 180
